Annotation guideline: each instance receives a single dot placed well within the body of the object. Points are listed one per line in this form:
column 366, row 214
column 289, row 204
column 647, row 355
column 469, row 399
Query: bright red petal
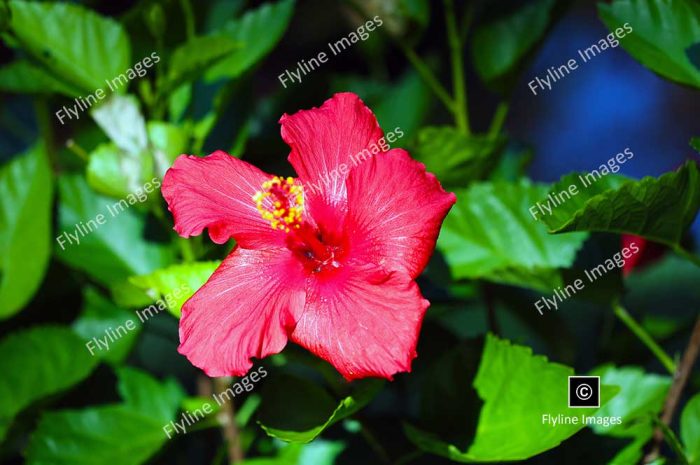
column 245, row 310
column 327, row 142
column 216, row 192
column 362, row 320
column 395, row 209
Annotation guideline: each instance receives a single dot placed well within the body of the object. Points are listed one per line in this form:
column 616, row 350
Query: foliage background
column 216, row 87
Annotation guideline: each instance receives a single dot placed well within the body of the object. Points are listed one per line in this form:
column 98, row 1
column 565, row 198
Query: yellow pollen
column 281, row 202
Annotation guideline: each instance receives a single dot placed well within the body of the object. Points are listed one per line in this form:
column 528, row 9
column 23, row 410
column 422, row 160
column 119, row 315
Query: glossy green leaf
column 518, row 389
column 256, row 32
column 175, row 284
column 297, row 410
column 659, row 209
column 121, row 119
column 36, row 363
column 498, row 47
column 108, row 252
column 26, row 190
column 166, row 143
column 122, row 434
column 489, row 234
column 98, row 316
column 457, row 160
column 690, row 429
column 23, row 77
column 663, row 32
column 112, row 172
column 58, row 34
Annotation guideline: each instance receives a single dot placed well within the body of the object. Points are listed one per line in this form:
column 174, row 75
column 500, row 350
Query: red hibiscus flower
column 327, row 259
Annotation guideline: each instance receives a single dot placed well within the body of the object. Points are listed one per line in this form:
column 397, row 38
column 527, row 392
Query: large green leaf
column 26, row 189
column 489, row 234
column 74, row 43
column 36, row 363
column 659, row 209
column 175, row 284
column 123, row 434
column 23, row 77
column 99, row 315
column 191, row 59
column 256, row 32
column 457, row 160
column 663, row 32
column 690, row 429
column 297, row 410
column 109, row 252
column 518, row 389
column 498, row 47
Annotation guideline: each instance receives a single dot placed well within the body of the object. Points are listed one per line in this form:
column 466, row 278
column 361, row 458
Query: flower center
column 281, row 202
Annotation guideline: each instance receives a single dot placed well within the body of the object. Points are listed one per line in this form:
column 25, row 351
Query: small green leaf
column 99, row 315
column 113, row 172
column 690, row 429
column 518, row 389
column 36, row 363
column 662, row 31
column 122, row 434
column 297, row 410
column 175, row 284
column 498, row 47
column 121, row 119
column 167, row 142
column 457, row 160
column 58, row 34
column 109, row 252
column 25, row 78
column 26, row 190
column 256, row 32
column 659, row 209
column 641, row 396
column 489, row 234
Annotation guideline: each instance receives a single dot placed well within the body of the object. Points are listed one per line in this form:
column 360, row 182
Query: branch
column 229, row 428
column 680, row 378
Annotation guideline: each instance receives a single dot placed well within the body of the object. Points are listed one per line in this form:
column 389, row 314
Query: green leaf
column 74, row 43
column 498, row 47
column 690, row 429
column 489, row 234
column 22, row 77
column 175, row 284
column 108, row 252
column 142, row 393
column 191, row 59
column 36, row 363
column 113, row 172
column 518, row 389
column 695, row 143
column 457, row 160
column 26, row 189
column 641, row 396
column 99, row 315
column 297, row 410
column 121, row 119
column 659, row 209
column 167, row 142
column 663, row 30
column 257, row 32
column 123, row 434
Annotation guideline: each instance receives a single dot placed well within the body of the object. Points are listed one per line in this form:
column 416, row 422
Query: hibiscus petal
column 245, row 309
column 362, row 320
column 216, row 192
column 327, row 142
column 395, row 209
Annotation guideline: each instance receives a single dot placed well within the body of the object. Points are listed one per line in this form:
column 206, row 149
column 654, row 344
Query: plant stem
column 460, row 92
column 428, row 77
column 680, row 378
column 186, row 249
column 189, row 17
column 499, row 118
column 229, row 428
column 691, row 257
column 373, row 442
column 672, row 440
column 643, row 336
column 78, row 150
